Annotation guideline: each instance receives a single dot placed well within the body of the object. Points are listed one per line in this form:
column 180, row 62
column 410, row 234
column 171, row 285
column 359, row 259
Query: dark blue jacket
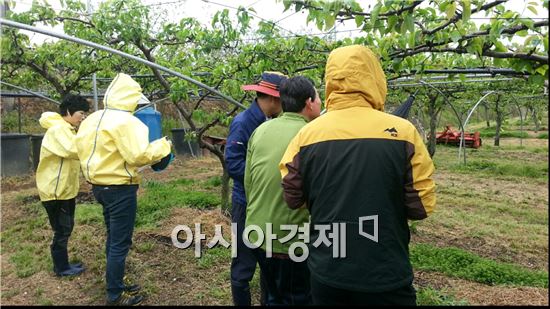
column 235, row 150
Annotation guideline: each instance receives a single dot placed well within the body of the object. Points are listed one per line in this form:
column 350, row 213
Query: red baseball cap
column 269, row 84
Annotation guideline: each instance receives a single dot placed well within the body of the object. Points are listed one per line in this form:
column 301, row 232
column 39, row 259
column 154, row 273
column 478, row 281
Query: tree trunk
column 226, row 203
column 432, row 113
column 500, row 116
column 487, row 115
column 535, row 119
column 433, row 124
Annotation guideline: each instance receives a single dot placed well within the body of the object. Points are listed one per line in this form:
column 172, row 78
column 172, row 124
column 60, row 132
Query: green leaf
column 499, row 47
column 287, row 4
column 508, row 14
column 545, row 42
column 522, row 33
column 536, row 79
column 410, row 62
column 329, row 21
column 466, row 10
column 528, row 22
column 392, row 21
column 359, row 19
column 412, row 40
column 374, row 13
column 532, row 9
column 529, row 39
column 451, row 10
column 455, row 36
column 475, row 46
column 319, row 23
column 409, row 23
column 542, row 70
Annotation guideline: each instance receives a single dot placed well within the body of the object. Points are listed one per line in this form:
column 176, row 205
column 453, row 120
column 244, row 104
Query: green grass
column 462, row 264
column 213, row 256
column 543, row 135
column 183, row 182
column 143, row 247
column 159, row 198
column 491, row 132
column 499, row 161
column 212, row 182
column 29, row 259
column 432, row 297
column 502, row 169
column 88, row 214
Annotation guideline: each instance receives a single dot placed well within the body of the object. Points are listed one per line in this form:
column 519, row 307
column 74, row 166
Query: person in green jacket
column 287, row 280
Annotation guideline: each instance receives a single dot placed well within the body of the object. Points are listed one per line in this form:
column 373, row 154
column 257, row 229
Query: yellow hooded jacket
column 58, row 169
column 362, row 169
column 112, row 143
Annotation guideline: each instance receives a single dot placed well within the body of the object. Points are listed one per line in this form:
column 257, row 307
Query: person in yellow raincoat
column 57, row 177
column 112, row 144
column 362, row 174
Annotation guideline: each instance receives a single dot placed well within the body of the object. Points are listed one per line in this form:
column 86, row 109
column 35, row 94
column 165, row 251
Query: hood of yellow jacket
column 50, row 119
column 123, row 93
column 354, row 77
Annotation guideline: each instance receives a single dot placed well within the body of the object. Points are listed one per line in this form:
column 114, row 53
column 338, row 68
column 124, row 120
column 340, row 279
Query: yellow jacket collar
column 50, row 119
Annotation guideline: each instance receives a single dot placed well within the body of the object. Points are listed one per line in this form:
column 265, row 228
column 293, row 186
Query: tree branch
column 458, row 16
column 409, row 8
column 147, row 53
column 431, row 46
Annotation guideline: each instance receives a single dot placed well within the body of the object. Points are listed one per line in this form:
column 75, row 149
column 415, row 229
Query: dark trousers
column 61, row 217
column 119, row 211
column 287, row 281
column 323, row 294
column 244, row 265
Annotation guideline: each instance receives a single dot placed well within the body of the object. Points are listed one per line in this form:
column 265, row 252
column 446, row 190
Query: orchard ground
column 487, row 242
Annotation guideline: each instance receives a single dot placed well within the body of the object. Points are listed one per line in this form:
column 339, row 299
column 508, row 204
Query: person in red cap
column 265, row 106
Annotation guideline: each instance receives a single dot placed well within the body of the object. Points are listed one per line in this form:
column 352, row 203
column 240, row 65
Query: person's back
column 264, row 107
column 359, row 167
column 112, row 143
column 287, row 280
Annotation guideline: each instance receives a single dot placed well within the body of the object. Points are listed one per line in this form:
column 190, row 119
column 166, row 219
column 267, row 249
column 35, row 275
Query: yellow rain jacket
column 57, row 173
column 112, row 143
column 362, row 173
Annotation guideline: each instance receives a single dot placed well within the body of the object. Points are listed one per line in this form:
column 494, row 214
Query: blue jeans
column 119, row 211
column 61, row 217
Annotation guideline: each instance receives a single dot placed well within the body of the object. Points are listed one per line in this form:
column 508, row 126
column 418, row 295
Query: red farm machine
column 452, row 137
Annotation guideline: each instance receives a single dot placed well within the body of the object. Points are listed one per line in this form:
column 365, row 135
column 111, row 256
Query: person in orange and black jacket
column 364, row 168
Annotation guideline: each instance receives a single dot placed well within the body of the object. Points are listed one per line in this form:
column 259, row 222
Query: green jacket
column 262, row 180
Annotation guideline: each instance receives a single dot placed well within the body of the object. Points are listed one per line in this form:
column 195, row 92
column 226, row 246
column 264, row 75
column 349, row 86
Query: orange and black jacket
column 357, row 161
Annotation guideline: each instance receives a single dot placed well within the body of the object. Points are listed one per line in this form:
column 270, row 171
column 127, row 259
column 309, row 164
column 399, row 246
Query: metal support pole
column 19, row 114
column 31, row 92
column 466, row 122
column 94, row 83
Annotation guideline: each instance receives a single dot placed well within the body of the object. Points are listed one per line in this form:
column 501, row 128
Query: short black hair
column 294, row 93
column 73, row 103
